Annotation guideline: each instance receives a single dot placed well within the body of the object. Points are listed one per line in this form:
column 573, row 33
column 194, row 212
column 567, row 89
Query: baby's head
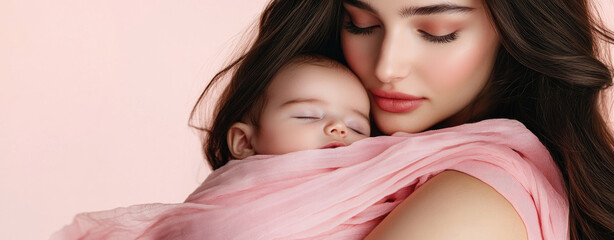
column 312, row 102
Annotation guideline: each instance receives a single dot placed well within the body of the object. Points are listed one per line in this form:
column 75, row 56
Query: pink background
column 94, row 103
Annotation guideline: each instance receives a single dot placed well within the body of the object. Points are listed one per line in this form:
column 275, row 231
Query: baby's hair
column 316, row 59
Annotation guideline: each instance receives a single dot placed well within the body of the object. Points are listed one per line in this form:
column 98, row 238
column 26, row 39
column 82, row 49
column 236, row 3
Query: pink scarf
column 344, row 193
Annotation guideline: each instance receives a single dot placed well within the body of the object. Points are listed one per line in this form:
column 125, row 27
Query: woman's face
column 422, row 61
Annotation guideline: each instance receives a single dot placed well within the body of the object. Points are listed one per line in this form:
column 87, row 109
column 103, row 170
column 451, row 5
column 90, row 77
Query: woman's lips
column 396, row 102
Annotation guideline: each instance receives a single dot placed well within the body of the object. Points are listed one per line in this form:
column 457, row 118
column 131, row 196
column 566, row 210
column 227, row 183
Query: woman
column 434, row 64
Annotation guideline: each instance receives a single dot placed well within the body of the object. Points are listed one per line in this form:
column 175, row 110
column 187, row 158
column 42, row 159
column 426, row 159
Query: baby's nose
column 336, row 128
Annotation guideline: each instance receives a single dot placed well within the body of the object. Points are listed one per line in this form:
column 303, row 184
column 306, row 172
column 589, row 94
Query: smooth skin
column 452, row 205
column 441, row 51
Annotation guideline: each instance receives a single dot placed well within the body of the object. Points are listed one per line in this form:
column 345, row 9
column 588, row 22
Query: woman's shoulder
column 452, row 205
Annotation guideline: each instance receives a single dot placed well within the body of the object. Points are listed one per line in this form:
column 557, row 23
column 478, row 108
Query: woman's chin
column 389, row 125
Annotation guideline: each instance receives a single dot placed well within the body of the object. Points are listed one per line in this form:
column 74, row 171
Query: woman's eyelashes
column 353, row 29
column 439, row 39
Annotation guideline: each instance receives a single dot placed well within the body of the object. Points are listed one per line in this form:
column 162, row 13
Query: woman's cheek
column 359, row 52
column 466, row 68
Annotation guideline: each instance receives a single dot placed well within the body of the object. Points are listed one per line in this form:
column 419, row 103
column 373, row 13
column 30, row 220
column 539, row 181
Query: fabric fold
column 344, row 193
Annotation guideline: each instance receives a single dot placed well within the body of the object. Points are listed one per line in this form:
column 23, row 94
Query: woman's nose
column 336, row 128
column 392, row 63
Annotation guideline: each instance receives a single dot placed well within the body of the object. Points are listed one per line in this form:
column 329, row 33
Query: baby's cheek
column 283, row 139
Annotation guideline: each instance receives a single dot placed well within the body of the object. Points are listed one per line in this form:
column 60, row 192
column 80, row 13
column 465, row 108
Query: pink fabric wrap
column 344, row 193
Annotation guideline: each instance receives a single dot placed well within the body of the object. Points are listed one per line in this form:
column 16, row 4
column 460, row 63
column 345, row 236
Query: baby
column 313, row 102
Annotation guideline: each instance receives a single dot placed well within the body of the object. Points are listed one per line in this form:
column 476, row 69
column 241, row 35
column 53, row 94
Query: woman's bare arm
column 452, row 205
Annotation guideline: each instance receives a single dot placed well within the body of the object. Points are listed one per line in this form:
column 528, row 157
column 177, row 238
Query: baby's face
column 310, row 107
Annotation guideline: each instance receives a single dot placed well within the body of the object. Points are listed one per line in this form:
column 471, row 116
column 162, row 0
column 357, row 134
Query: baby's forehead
column 313, row 76
column 328, row 82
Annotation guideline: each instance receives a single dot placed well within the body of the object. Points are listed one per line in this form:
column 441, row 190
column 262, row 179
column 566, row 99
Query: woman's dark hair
column 549, row 75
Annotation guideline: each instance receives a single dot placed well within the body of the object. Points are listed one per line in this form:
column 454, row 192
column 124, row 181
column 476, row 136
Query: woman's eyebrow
column 434, row 9
column 360, row 4
column 412, row 11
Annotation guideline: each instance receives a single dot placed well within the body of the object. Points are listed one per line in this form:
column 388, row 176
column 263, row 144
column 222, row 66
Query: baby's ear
column 239, row 140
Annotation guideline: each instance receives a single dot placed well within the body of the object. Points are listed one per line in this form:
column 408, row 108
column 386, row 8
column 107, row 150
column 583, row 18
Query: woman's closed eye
column 438, row 39
column 352, row 28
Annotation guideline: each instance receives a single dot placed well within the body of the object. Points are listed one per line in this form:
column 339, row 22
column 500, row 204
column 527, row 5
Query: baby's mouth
column 334, row 145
